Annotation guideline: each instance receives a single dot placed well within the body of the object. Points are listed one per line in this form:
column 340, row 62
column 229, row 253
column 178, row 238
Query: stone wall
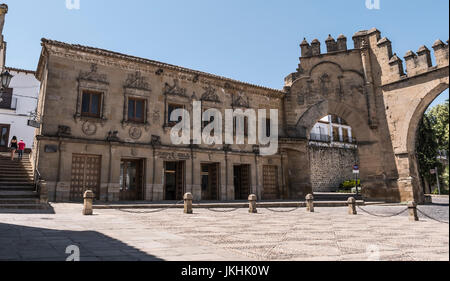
column 330, row 166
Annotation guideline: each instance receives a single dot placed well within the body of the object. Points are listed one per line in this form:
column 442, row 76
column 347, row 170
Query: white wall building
column 16, row 104
column 332, row 129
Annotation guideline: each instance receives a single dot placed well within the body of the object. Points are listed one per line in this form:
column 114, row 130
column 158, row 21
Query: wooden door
column 270, row 178
column 210, row 181
column 86, row 170
column 131, row 180
column 4, row 137
column 242, row 182
column 174, row 181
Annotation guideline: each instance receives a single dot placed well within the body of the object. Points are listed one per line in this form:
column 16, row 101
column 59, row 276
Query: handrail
column 37, row 178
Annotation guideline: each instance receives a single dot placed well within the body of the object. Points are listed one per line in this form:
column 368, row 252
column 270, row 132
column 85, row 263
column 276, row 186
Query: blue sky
column 256, row 41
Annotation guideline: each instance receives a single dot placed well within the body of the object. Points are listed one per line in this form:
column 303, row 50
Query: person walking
column 13, row 147
column 21, row 149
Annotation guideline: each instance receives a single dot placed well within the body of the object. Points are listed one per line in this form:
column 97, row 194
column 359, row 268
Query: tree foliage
column 433, row 137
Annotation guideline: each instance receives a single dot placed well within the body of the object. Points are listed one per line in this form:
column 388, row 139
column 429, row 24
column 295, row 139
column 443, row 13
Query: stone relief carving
column 89, row 128
column 174, row 155
column 135, row 133
column 156, row 116
column 64, row 131
column 156, row 140
column 175, row 90
column 325, row 84
column 241, row 101
column 137, row 81
column 113, row 136
column 210, row 95
column 93, row 75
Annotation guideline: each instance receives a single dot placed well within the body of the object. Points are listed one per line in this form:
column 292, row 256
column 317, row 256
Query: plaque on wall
column 51, row 148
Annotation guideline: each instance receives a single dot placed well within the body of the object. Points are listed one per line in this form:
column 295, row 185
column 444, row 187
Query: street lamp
column 5, row 79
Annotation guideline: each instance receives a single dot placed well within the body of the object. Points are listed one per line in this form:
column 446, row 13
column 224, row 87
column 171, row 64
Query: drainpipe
column 109, row 172
column 58, row 177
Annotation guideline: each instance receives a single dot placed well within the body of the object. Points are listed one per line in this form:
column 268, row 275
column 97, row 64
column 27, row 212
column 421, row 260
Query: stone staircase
column 17, row 188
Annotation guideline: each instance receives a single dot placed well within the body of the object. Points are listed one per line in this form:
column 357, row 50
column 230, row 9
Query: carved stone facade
column 366, row 86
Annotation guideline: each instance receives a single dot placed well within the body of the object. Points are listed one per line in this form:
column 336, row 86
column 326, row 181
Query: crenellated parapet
column 379, row 51
column 392, row 68
column 313, row 49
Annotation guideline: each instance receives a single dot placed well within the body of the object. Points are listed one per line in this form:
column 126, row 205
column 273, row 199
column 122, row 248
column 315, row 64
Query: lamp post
column 5, row 79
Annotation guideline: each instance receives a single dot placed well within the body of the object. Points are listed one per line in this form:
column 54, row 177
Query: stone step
column 16, row 182
column 16, row 179
column 17, row 188
column 16, row 176
column 23, row 207
column 17, row 194
column 13, row 201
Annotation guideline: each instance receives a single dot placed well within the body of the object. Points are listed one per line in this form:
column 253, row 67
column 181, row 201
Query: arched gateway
column 366, row 86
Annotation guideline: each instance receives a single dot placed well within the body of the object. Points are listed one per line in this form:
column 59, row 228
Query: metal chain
column 282, row 211
column 150, row 212
column 431, row 218
column 382, row 216
column 224, row 211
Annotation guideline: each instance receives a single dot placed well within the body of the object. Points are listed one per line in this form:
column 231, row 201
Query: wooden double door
column 131, row 180
column 270, row 183
column 242, row 181
column 210, row 181
column 86, row 175
column 173, row 180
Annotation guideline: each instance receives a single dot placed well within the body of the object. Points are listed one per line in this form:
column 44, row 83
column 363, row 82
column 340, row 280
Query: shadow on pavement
column 20, row 243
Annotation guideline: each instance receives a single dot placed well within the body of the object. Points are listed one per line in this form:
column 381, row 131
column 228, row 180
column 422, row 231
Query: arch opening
column 428, row 139
column 333, row 153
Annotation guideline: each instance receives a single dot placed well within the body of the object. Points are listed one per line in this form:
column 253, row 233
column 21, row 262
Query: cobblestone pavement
column 327, row 234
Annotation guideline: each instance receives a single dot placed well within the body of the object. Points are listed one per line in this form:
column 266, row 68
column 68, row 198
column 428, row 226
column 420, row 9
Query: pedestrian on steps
column 13, row 146
column 21, row 149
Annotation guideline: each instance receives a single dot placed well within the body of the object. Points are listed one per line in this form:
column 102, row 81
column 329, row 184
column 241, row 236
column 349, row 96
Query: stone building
column 105, row 124
column 105, row 127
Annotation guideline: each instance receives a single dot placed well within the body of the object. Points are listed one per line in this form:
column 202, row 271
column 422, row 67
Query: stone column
column 352, row 206
column 188, row 203
column 310, row 203
column 252, row 204
column 412, row 209
column 88, row 202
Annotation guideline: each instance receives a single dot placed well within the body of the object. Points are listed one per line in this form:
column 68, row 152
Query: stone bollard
column 412, row 209
column 252, row 204
column 188, row 203
column 310, row 203
column 352, row 206
column 88, row 201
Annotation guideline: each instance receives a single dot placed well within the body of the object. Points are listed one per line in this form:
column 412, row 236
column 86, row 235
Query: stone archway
column 368, row 87
column 372, row 174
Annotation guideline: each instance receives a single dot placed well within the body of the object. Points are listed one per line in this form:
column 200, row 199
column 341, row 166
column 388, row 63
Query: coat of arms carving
column 93, row 75
column 210, row 95
column 175, row 90
column 137, row 81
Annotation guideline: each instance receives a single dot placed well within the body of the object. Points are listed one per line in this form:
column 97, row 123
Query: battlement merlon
column 391, row 65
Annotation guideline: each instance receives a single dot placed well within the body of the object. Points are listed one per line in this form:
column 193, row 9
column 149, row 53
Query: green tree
column 433, row 136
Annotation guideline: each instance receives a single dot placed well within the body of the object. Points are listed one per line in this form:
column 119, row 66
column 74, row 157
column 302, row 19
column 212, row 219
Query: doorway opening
column 432, row 144
column 242, row 181
column 131, row 180
column 173, row 181
column 210, row 181
column 4, row 136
